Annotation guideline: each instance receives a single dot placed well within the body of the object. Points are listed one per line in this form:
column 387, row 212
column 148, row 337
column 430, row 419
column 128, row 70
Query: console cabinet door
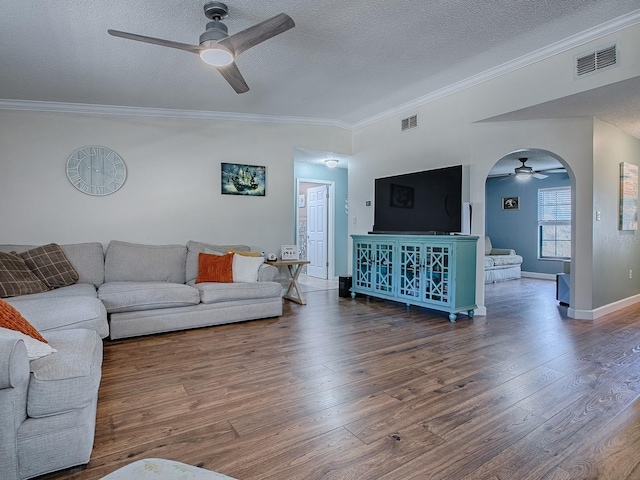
column 437, row 274
column 363, row 265
column 410, row 271
column 384, row 271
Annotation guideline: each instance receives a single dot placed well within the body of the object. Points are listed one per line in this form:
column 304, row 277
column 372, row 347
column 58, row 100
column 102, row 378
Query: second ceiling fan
column 523, row 171
column 217, row 47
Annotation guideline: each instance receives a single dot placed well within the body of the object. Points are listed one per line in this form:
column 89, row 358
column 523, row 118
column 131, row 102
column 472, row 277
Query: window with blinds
column 554, row 223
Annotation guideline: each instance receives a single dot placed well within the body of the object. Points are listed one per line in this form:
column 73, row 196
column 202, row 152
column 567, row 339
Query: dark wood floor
column 366, row 389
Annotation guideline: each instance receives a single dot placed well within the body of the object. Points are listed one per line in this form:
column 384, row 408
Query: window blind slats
column 554, row 206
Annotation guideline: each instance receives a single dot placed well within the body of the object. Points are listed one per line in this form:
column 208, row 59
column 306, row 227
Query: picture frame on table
column 289, row 252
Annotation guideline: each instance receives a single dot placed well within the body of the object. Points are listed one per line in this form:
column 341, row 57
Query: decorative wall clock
column 96, row 170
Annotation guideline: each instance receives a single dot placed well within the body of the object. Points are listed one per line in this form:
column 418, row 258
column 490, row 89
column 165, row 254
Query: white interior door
column 317, row 220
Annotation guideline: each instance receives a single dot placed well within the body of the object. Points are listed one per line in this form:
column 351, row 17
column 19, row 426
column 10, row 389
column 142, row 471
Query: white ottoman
column 160, row 469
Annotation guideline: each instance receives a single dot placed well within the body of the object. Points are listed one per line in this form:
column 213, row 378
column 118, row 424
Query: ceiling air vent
column 600, row 59
column 410, row 122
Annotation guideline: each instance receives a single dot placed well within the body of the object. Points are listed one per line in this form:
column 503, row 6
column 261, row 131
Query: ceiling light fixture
column 523, row 172
column 217, row 55
column 331, row 162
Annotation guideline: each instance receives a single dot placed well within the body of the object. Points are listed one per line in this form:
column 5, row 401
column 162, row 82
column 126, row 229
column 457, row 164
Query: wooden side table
column 295, row 267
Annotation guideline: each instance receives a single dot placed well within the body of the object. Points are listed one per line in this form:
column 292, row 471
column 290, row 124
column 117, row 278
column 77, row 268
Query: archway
column 512, row 196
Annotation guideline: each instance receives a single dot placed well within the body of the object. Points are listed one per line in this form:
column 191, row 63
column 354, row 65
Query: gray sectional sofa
column 48, row 405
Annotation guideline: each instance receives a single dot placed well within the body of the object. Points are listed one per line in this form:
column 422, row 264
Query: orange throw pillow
column 215, row 268
column 11, row 318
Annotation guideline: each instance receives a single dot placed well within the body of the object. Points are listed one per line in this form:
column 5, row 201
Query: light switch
column 597, row 215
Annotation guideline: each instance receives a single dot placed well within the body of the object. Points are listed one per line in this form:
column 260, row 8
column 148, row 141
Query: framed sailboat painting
column 239, row 179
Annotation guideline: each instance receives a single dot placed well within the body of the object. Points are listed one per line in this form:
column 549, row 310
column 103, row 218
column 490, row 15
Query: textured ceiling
column 344, row 61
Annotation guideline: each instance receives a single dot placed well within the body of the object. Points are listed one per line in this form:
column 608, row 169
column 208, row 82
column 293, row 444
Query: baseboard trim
column 604, row 310
column 541, row 276
column 480, row 311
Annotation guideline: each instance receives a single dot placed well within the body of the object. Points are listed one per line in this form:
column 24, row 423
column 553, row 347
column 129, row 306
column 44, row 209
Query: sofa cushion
column 11, row 318
column 134, row 296
column 228, row 292
column 132, row 262
column 68, row 379
column 487, row 245
column 488, row 261
column 16, row 278
column 35, row 348
column 75, row 290
column 245, row 269
column 194, row 248
column 51, row 265
column 215, row 268
column 61, row 313
column 86, row 258
column 500, row 260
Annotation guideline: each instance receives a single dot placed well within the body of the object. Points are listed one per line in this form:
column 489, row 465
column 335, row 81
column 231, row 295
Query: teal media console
column 432, row 271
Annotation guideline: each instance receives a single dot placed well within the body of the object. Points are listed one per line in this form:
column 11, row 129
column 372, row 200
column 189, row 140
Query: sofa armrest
column 14, row 382
column 502, row 251
column 267, row 273
column 14, row 362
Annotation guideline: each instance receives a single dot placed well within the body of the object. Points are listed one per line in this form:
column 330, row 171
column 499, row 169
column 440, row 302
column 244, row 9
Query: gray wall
column 615, row 252
column 518, row 229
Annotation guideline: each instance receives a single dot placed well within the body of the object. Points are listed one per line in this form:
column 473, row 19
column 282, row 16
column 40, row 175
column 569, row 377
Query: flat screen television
column 428, row 202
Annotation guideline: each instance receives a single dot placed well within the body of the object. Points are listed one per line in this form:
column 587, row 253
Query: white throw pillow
column 245, row 269
column 35, row 348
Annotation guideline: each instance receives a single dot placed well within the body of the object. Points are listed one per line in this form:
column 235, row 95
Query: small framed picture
column 290, row 252
column 302, row 201
column 510, row 203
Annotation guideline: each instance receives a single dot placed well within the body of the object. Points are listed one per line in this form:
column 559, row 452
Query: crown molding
column 568, row 43
column 62, row 107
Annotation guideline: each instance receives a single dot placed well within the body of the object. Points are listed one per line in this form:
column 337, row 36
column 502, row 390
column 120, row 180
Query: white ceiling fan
column 217, row 47
column 525, row 172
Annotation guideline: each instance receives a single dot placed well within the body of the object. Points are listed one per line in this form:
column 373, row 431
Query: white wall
column 172, row 192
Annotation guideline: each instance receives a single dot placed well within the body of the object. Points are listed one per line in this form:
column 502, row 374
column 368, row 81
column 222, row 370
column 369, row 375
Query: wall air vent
column 410, row 122
column 593, row 61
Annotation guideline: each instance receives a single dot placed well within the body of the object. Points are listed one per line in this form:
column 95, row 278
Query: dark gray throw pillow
column 16, row 278
column 51, row 265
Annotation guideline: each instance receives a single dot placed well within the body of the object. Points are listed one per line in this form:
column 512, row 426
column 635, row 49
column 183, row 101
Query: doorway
column 315, row 226
column 523, row 226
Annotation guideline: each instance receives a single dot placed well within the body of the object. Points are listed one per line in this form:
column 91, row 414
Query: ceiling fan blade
column 156, row 41
column 553, row 170
column 539, row 176
column 252, row 36
column 232, row 75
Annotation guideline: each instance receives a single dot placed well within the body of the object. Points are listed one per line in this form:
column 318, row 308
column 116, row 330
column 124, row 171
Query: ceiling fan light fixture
column 523, row 172
column 523, row 175
column 217, row 55
column 331, row 162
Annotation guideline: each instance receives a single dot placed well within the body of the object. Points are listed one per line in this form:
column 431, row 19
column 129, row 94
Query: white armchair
column 500, row 264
